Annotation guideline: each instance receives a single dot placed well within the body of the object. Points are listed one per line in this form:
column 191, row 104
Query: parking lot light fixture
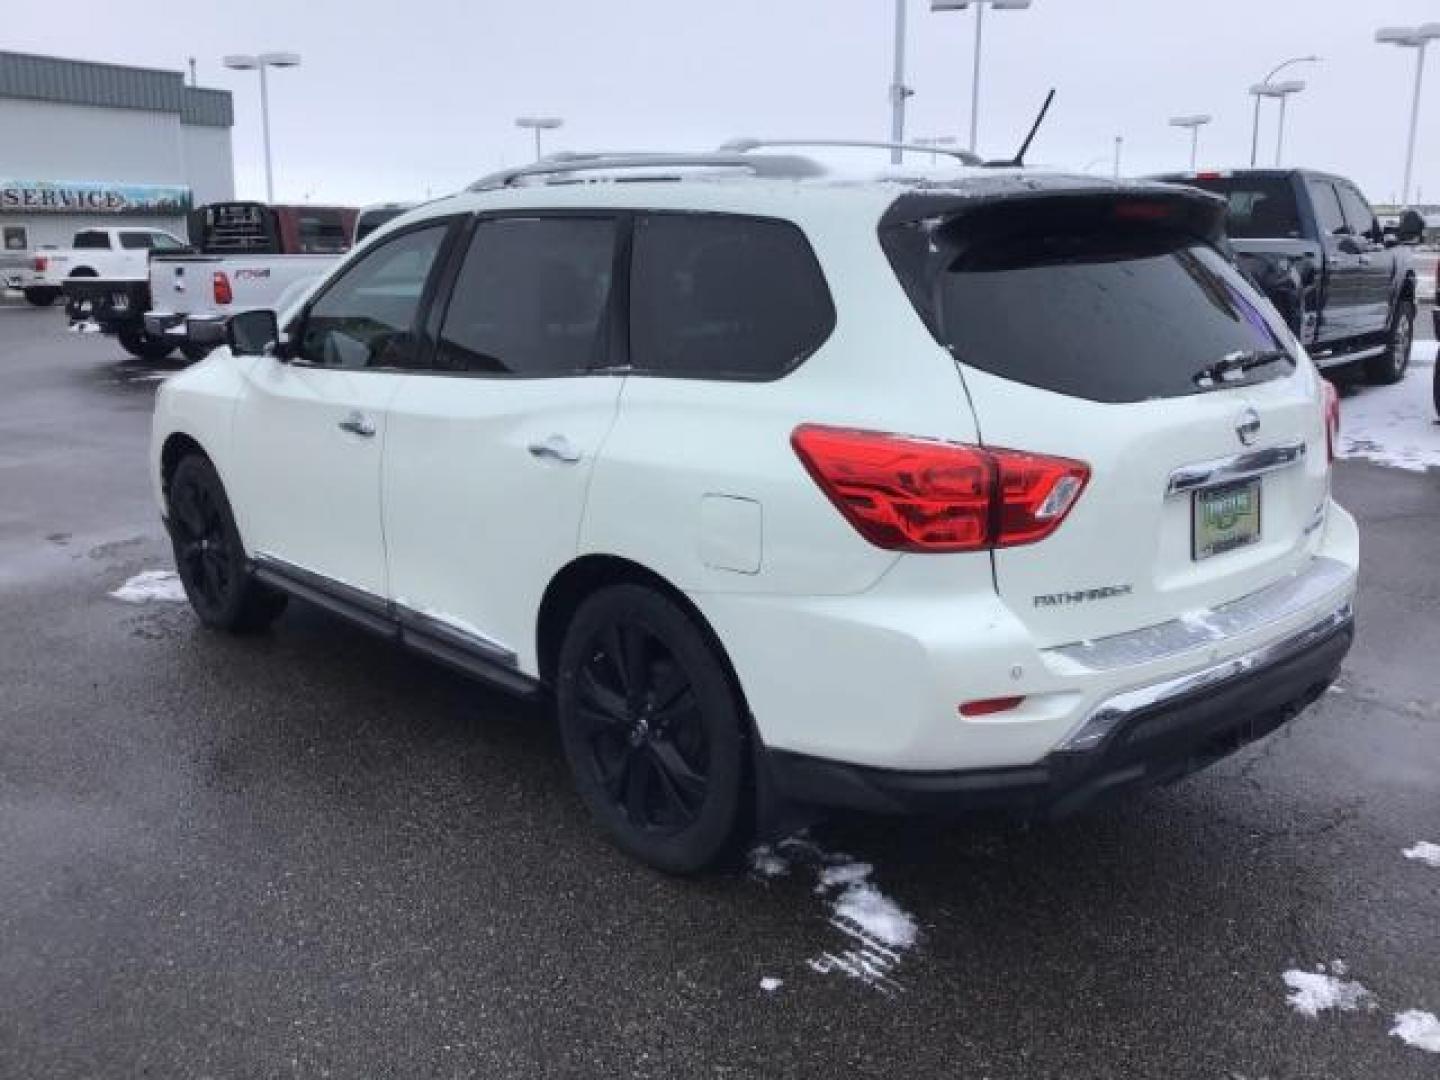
column 1194, row 123
column 1281, row 90
column 1260, row 90
column 1417, row 38
column 979, row 6
column 538, row 124
column 260, row 62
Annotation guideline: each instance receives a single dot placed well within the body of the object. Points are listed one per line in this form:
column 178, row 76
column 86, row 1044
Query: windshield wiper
column 1233, row 367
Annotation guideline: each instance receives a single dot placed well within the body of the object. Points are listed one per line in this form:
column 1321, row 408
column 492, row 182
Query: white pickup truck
column 115, row 254
column 247, row 255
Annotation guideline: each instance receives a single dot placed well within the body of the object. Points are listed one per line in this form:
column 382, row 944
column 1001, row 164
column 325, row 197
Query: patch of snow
column 765, row 863
column 1314, row 991
column 770, row 984
column 1393, row 425
column 843, row 874
column 1425, row 852
column 879, row 917
column 152, row 585
column 1418, row 1029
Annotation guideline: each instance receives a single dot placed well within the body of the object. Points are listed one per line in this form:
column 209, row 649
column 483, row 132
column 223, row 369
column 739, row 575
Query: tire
column 42, row 296
column 1390, row 366
column 210, row 557
column 653, row 728
column 142, row 346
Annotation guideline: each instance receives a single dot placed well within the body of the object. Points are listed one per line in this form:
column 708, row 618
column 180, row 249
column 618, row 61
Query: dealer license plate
column 1225, row 518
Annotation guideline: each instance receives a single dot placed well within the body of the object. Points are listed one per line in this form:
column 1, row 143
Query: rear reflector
column 1332, row 417
column 908, row 494
column 41, row 263
column 223, row 293
column 990, row 706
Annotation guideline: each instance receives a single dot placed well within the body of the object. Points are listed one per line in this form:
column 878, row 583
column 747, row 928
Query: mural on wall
column 89, row 197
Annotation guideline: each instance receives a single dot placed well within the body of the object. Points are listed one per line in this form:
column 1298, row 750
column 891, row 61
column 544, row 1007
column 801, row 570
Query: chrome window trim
column 1229, row 470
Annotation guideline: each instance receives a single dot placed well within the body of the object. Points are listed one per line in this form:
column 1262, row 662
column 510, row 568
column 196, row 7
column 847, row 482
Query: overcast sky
column 399, row 98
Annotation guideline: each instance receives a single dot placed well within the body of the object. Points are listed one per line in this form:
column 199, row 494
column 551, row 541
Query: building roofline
column 33, row 77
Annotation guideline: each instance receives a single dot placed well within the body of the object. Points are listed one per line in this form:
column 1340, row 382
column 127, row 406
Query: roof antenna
column 1018, row 161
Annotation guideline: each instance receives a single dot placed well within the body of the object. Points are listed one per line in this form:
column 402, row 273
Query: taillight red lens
column 1332, row 417
column 41, row 263
column 908, row 494
column 990, row 706
column 223, row 293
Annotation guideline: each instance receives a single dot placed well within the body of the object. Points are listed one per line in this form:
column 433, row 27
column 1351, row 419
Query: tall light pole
column 898, row 90
column 1258, row 94
column 979, row 6
column 1417, row 38
column 1119, row 146
column 1194, row 123
column 244, row 62
column 538, row 124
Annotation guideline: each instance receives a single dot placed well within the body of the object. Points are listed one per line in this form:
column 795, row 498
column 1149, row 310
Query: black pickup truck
column 1313, row 244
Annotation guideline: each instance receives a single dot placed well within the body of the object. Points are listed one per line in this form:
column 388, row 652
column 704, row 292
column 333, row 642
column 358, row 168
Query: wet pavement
column 310, row 854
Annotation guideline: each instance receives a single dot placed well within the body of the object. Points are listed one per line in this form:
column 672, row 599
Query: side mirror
column 1411, row 228
column 1348, row 245
column 253, row 333
column 206, row 332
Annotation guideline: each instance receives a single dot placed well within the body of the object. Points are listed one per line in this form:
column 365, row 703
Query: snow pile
column 1424, row 852
column 1394, row 425
column 1418, row 1029
column 151, row 585
column 1314, row 991
column 770, row 984
column 877, row 931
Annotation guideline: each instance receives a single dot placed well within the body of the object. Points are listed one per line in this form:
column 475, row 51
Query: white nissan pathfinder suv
column 987, row 489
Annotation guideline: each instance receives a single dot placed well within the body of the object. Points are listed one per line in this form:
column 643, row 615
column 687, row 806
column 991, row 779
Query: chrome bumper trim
column 1284, row 598
column 1109, row 714
column 1230, row 470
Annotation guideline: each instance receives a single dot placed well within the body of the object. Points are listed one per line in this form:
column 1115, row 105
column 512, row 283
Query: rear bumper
column 111, row 304
column 1144, row 737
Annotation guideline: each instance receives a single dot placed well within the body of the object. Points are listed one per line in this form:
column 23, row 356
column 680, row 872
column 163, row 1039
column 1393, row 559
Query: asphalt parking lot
column 312, row 855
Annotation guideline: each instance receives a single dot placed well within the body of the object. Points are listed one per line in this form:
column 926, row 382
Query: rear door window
column 532, row 297
column 1110, row 314
column 723, row 297
column 93, row 240
column 137, row 241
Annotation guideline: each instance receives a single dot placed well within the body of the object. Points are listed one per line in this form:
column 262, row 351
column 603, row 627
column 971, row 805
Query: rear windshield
column 322, row 232
column 1107, row 315
column 1261, row 208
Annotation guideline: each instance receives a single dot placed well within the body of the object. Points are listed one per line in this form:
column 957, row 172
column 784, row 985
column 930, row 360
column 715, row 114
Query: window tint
column 1358, row 214
column 531, row 298
column 1328, row 215
column 135, row 241
column 367, row 317
column 724, row 297
column 1099, row 314
column 92, row 240
column 1259, row 206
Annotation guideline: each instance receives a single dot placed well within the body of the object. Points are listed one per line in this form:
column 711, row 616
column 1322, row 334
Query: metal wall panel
column 80, row 82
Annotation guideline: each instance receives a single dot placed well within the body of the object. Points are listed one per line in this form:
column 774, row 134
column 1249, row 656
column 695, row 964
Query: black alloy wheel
column 652, row 729
column 209, row 555
column 1390, row 366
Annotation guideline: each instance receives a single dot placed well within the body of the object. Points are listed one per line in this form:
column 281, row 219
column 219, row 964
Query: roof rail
column 742, row 146
column 563, row 165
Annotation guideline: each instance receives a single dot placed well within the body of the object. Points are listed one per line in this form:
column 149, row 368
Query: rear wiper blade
column 1232, row 367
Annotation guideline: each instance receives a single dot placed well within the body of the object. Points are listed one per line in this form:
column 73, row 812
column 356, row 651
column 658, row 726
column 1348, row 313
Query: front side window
column 531, row 298
column 92, row 240
column 366, row 319
column 1358, row 215
column 721, row 297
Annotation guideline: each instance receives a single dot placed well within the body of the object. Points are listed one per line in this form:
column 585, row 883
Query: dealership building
column 85, row 144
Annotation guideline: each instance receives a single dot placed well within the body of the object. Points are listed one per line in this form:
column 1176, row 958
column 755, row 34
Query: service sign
column 88, row 197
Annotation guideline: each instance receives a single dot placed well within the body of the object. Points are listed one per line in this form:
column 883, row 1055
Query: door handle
column 556, row 448
column 357, row 423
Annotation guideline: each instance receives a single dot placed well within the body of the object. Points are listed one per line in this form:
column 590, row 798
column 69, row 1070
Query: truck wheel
column 653, row 729
column 210, row 556
column 142, row 346
column 1390, row 366
column 42, row 296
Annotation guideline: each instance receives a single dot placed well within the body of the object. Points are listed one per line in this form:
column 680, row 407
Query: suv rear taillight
column 223, row 292
column 908, row 494
column 41, row 262
column 1332, row 417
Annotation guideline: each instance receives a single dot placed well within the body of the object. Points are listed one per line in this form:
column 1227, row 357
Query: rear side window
column 1260, row 207
column 136, row 241
column 1328, row 214
column 720, row 297
column 1112, row 315
column 93, row 240
column 531, row 297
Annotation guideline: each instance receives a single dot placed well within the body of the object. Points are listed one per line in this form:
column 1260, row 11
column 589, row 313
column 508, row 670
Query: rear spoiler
column 1031, row 203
